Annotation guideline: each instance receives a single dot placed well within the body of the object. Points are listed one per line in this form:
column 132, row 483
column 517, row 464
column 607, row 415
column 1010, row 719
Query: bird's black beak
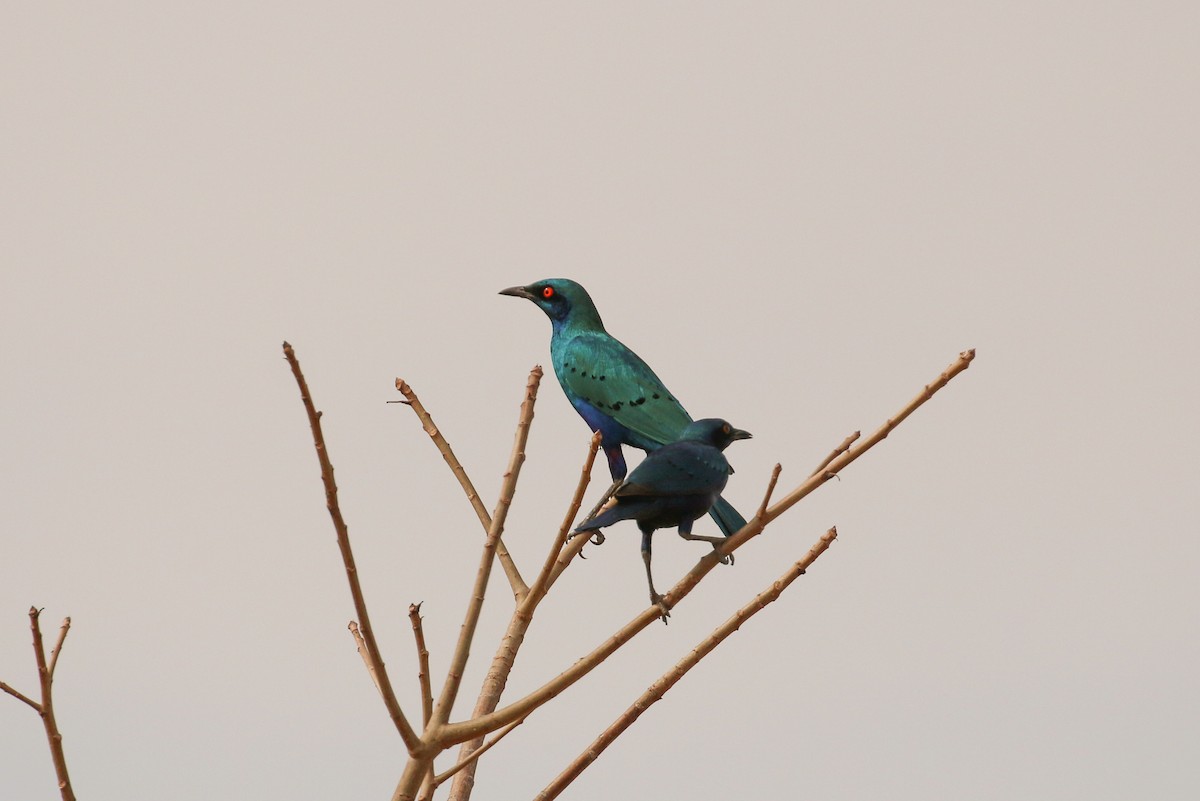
column 737, row 433
column 518, row 292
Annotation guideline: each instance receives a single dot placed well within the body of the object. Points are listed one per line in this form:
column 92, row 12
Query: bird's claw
column 575, row 534
column 724, row 558
column 595, row 537
column 664, row 610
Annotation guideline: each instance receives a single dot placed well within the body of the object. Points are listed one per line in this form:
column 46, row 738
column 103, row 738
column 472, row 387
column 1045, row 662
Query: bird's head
column 563, row 301
column 713, row 431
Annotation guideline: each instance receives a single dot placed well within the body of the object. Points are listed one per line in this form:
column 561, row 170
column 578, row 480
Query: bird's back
column 681, row 468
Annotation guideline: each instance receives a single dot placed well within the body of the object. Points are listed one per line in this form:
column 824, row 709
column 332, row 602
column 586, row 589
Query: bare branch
column 461, row 732
column 762, row 507
column 479, row 726
column 415, row 772
column 411, row 741
column 58, row 644
column 21, row 696
column 519, row 588
column 573, row 547
column 414, row 616
column 462, row 650
column 489, row 697
column 836, row 452
column 476, row 754
column 470, row 729
column 427, row 788
column 46, row 707
column 514, row 637
column 541, row 585
column 668, row 680
column 565, row 557
column 842, row 455
column 365, row 653
column 838, row 463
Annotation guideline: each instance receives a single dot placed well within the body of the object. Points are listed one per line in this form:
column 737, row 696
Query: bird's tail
column 728, row 519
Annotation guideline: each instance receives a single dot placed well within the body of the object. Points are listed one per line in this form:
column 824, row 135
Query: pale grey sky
column 798, row 214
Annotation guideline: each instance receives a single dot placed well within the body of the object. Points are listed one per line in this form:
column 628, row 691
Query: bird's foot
column 664, row 610
column 597, row 537
column 715, row 542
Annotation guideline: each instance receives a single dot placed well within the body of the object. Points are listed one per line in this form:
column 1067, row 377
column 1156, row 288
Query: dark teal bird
column 673, row 486
column 610, row 386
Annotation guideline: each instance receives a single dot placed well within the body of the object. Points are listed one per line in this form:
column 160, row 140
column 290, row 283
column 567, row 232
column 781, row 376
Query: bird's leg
column 685, row 531
column 655, row 598
column 617, row 469
column 597, row 536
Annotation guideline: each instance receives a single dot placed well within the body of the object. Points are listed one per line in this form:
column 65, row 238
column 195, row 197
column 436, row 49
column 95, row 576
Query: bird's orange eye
column 547, row 292
column 725, row 428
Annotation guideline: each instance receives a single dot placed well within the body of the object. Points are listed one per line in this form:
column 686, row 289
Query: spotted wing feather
column 610, row 377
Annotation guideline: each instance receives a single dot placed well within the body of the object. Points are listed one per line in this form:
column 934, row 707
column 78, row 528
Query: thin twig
column 482, row 725
column 519, row 588
column 838, row 463
column 836, row 452
column 843, row 455
column 668, row 680
column 58, row 644
column 565, row 557
column 762, row 507
column 476, row 754
column 462, row 650
column 454, row 733
column 15, row 693
column 514, row 636
column 541, row 584
column 461, row 732
column 46, row 708
column 414, row 616
column 427, row 787
column 411, row 741
column 416, row 776
column 365, row 653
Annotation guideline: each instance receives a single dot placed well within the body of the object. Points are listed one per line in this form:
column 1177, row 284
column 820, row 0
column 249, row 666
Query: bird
column 673, row 486
column 612, row 389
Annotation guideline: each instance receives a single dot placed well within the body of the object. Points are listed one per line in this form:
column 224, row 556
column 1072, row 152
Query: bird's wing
column 609, row 376
column 682, row 468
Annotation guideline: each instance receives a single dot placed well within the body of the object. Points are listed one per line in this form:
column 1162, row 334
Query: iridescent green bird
column 612, row 389
column 673, row 486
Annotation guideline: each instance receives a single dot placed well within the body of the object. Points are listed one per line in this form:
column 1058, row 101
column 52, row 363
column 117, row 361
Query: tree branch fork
column 419, row 780
column 45, row 707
